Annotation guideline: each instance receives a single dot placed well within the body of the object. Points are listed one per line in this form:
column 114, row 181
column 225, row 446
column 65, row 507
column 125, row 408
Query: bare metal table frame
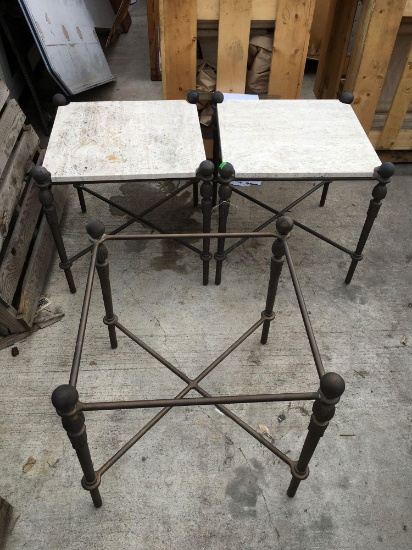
column 224, row 174
column 72, row 411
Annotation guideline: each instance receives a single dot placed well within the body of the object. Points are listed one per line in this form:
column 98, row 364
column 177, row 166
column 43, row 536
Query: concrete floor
column 197, row 481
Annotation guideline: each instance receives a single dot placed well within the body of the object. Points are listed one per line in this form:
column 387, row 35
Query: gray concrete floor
column 197, row 481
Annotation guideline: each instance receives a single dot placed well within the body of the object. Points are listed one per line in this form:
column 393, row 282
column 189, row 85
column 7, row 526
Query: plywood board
column 68, row 43
column 101, row 12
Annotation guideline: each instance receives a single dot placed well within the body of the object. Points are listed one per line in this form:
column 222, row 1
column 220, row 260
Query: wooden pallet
column 25, row 240
column 178, row 32
column 379, row 72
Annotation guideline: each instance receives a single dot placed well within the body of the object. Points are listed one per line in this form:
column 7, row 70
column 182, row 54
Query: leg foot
column 324, row 194
column 80, row 194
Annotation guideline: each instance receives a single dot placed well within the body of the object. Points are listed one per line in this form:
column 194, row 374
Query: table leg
column 332, row 387
column 65, row 399
column 195, row 194
column 80, row 194
column 205, row 173
column 96, row 230
column 324, row 194
column 217, row 97
column 225, row 192
column 383, row 174
column 284, row 225
column 42, row 178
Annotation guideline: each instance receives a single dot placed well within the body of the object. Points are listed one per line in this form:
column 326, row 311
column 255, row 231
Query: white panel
column 294, row 139
column 64, row 32
column 101, row 12
column 123, row 140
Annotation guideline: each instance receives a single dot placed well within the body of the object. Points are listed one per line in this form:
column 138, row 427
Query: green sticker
column 222, row 164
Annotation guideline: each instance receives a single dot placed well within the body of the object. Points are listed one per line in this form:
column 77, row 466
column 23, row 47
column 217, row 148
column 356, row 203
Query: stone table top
column 294, row 139
column 124, row 140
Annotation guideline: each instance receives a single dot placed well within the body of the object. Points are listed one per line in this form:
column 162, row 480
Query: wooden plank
column 378, row 27
column 127, row 21
column 403, row 140
column 262, row 10
column 395, row 69
column 398, row 109
column 290, row 47
column 6, row 512
column 121, row 15
column 8, row 320
column 233, row 45
column 4, row 94
column 18, row 245
column 41, row 256
column 178, row 28
column 334, row 49
column 11, row 123
column 395, row 156
column 12, row 185
column 408, row 9
column 319, row 30
column 152, row 8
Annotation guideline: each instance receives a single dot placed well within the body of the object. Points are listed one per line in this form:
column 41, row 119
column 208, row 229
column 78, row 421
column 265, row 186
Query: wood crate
column 379, row 73
column 26, row 245
column 179, row 21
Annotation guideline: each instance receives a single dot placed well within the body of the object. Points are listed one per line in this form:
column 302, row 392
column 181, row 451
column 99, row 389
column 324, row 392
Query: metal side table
column 123, row 141
column 320, row 141
column 72, row 411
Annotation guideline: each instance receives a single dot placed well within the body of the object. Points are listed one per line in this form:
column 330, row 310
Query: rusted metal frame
column 187, row 402
column 298, row 469
column 193, row 384
column 305, row 316
column 83, row 318
column 172, row 236
column 281, row 212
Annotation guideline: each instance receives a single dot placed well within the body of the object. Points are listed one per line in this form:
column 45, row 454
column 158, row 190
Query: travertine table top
column 121, row 140
column 294, row 139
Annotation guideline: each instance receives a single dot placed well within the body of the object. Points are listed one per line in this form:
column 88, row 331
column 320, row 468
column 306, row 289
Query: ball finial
column 226, row 170
column 284, row 225
column 206, row 169
column 217, row 97
column 59, row 100
column 96, row 229
column 347, row 98
column 65, row 397
column 192, row 96
column 332, row 385
column 386, row 170
column 40, row 174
